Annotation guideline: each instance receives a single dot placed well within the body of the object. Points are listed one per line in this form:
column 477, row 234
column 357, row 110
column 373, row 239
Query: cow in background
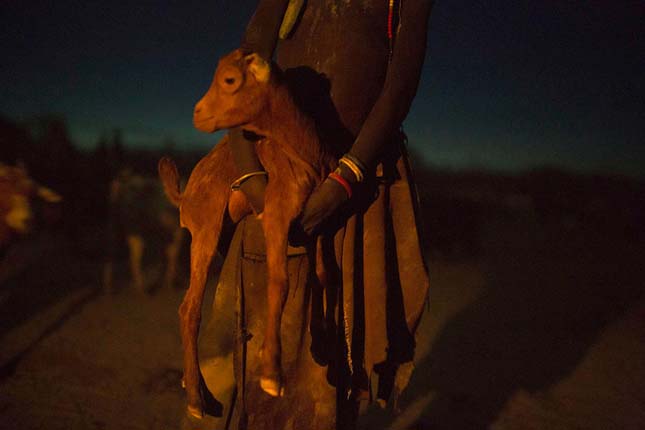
column 140, row 216
column 20, row 199
column 23, row 202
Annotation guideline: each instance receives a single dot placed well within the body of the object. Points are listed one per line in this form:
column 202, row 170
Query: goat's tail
column 170, row 179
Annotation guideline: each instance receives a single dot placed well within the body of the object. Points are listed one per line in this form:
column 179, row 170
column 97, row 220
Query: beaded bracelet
column 236, row 184
column 355, row 165
column 342, row 181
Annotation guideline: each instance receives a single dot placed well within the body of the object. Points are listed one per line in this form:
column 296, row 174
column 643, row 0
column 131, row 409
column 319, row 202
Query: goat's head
column 237, row 94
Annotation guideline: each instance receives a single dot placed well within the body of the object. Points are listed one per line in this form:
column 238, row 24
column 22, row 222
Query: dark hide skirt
column 230, row 345
column 340, row 352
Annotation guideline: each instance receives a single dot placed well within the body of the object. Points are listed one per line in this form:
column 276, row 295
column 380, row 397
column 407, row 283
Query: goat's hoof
column 195, row 412
column 270, row 379
column 272, row 387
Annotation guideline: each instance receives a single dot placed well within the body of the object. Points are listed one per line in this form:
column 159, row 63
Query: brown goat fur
column 245, row 92
column 18, row 194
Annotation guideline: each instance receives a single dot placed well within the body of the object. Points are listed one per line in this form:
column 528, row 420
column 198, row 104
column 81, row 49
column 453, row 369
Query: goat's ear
column 259, row 68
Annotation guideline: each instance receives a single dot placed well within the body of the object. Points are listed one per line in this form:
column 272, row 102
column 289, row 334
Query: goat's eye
column 229, row 80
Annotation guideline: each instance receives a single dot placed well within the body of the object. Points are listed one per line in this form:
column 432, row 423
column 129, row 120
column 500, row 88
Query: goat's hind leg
column 201, row 253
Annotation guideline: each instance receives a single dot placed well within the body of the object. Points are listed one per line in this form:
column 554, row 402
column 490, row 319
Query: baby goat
column 245, row 92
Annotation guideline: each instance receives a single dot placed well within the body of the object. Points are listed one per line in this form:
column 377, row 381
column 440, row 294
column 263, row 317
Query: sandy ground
column 106, row 362
column 545, row 330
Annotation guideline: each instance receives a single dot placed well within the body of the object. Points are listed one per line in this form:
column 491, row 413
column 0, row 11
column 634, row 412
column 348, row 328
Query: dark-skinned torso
column 347, row 43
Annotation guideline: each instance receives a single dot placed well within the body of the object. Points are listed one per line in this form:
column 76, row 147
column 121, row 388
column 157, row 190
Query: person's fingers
column 321, row 204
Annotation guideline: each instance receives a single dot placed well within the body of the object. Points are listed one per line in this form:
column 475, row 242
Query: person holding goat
column 354, row 67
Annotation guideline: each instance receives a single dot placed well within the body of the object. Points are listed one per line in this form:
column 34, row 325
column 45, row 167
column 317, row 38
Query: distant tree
column 55, row 158
column 168, row 146
column 15, row 142
column 118, row 156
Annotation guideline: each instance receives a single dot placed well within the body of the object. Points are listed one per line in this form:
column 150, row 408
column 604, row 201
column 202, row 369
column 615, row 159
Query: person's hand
column 326, row 199
column 322, row 203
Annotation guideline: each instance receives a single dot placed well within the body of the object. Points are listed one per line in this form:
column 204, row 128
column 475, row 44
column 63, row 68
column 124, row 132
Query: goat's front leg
column 276, row 228
column 201, row 253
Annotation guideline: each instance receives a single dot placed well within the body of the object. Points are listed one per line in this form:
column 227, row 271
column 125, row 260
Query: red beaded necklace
column 390, row 17
column 390, row 26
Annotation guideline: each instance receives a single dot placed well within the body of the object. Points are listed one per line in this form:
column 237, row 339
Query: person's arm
column 401, row 83
column 261, row 36
column 386, row 116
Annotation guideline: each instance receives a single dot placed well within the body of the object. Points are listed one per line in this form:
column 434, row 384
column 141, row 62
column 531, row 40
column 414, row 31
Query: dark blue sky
column 506, row 84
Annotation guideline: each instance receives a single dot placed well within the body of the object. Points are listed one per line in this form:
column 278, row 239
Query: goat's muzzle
column 202, row 121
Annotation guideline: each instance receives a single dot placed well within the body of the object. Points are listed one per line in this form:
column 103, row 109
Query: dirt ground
column 543, row 329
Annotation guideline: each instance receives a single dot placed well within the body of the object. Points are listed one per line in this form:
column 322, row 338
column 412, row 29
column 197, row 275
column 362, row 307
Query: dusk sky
column 506, row 84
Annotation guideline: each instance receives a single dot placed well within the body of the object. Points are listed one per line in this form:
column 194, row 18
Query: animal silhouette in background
column 139, row 214
column 246, row 92
column 26, row 207
column 20, row 196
